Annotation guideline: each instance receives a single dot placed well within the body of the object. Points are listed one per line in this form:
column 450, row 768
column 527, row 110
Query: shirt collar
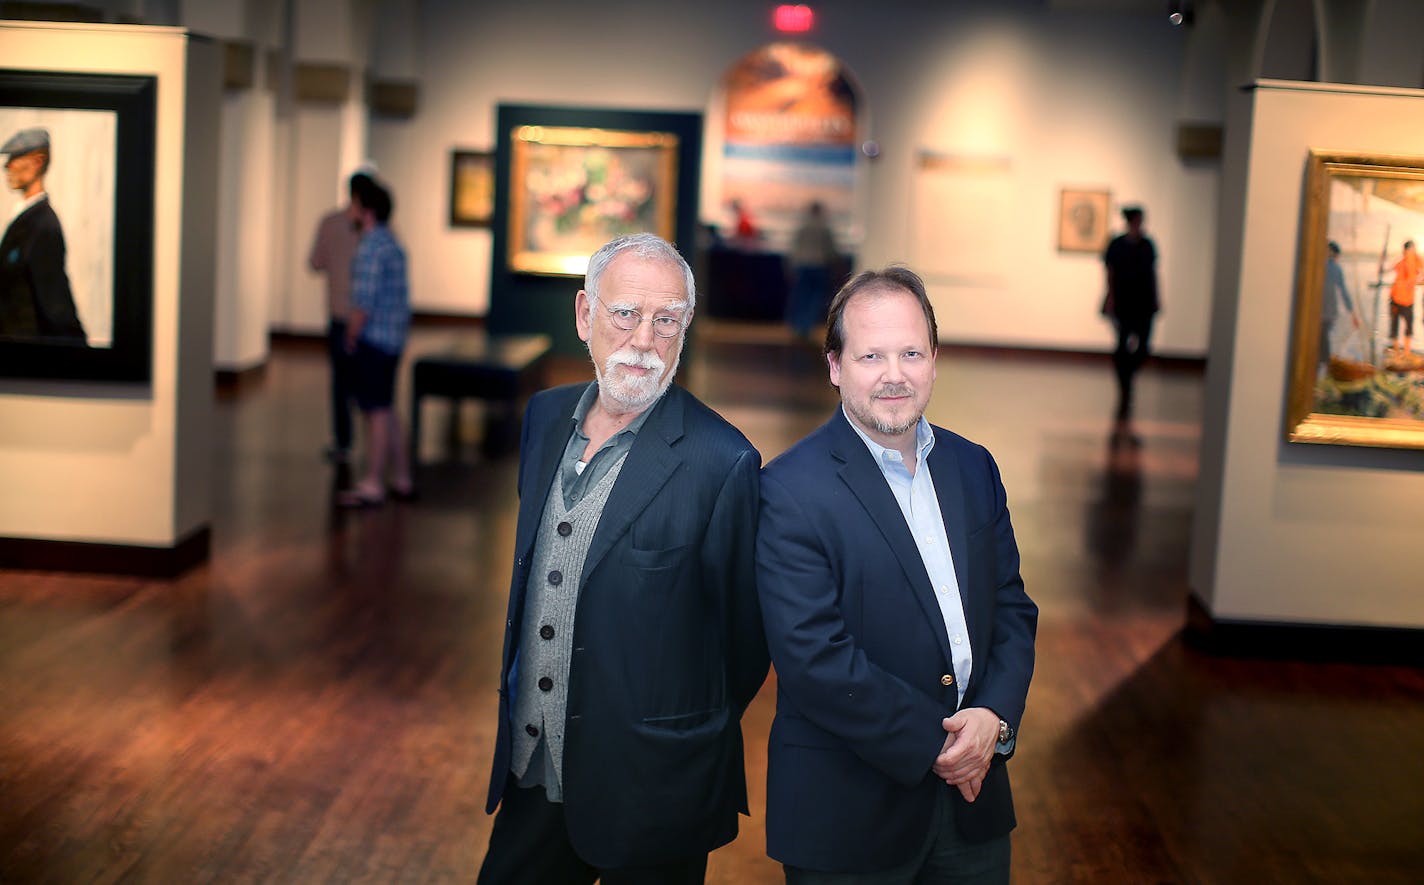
column 924, row 443
column 590, row 396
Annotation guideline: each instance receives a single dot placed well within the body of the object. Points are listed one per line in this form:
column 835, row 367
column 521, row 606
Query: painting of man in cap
column 35, row 298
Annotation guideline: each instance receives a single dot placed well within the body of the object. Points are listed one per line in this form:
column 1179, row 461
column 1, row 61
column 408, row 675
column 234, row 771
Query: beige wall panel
column 102, row 463
column 1303, row 533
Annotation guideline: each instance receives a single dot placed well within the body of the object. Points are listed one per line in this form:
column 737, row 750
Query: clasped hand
column 968, row 748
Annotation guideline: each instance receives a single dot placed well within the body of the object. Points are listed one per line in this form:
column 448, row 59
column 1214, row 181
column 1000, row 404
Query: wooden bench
column 499, row 369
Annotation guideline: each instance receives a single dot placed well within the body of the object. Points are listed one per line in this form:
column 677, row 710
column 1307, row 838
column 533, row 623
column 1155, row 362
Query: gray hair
column 646, row 247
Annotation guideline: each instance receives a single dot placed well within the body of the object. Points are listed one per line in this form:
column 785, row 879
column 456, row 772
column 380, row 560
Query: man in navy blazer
column 896, row 618
column 35, row 299
column 634, row 640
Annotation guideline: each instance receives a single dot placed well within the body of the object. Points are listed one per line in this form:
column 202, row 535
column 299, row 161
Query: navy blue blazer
column 668, row 648
column 861, row 652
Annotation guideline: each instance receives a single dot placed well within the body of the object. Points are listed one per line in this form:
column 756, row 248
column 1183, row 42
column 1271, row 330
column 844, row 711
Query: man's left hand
column 965, row 759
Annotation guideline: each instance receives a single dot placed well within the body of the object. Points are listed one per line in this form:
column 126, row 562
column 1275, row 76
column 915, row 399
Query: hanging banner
column 789, row 136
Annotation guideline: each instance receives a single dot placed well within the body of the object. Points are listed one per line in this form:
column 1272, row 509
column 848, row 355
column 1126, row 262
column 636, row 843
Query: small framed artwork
column 1083, row 220
column 1356, row 375
column 471, row 188
column 76, row 249
column 572, row 189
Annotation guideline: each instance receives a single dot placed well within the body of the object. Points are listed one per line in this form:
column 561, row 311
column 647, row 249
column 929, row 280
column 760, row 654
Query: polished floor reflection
column 316, row 704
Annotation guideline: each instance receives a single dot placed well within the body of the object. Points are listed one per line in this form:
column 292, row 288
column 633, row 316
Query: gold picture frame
column 572, row 189
column 1083, row 220
column 471, row 188
column 1348, row 385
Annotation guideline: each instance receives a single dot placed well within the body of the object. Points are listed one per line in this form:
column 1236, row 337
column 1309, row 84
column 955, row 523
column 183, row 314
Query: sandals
column 358, row 498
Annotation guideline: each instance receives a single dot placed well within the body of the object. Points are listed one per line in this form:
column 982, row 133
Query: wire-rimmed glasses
column 626, row 319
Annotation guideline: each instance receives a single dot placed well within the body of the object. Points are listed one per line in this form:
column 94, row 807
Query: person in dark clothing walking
column 1131, row 302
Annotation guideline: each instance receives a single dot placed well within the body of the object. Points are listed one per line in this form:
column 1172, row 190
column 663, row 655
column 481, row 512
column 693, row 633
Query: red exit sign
column 794, row 19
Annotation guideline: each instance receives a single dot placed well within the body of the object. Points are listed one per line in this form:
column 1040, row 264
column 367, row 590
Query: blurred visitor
column 332, row 252
column 813, row 251
column 1131, row 301
column 376, row 334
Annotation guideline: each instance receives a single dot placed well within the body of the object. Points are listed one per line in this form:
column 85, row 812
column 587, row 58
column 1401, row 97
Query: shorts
column 373, row 377
column 1401, row 313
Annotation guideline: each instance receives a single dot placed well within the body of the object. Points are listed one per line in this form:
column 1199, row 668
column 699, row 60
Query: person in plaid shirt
column 375, row 337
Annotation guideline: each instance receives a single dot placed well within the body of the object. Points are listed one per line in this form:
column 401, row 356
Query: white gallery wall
column 1067, row 97
column 129, row 463
column 1288, row 532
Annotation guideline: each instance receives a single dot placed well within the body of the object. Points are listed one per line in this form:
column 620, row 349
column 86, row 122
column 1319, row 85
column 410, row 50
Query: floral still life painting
column 573, row 189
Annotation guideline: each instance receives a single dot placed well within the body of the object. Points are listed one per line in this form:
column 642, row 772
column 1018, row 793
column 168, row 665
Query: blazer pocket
column 654, row 560
column 697, row 722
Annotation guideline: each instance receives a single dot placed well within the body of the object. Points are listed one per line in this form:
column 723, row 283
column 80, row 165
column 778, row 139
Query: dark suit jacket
column 668, row 644
column 860, row 649
column 35, row 300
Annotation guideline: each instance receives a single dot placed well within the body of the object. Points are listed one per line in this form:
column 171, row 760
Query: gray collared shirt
column 577, row 477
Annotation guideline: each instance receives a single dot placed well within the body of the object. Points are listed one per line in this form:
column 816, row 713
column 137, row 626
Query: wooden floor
column 317, row 703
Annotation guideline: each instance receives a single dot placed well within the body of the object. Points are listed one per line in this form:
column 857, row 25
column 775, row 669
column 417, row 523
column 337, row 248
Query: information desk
column 745, row 284
column 501, row 370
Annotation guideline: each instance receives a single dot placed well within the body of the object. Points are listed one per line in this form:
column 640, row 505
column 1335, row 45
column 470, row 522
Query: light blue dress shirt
column 920, row 506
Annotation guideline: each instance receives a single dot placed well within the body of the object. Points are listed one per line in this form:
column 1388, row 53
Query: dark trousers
column 945, row 859
column 340, row 385
column 1134, row 336
column 530, row 846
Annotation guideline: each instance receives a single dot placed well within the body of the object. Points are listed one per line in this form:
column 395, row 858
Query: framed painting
column 1356, row 375
column 76, row 255
column 471, row 188
column 572, row 189
column 1083, row 220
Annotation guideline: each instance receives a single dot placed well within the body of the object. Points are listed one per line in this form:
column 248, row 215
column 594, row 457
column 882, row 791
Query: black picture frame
column 128, row 355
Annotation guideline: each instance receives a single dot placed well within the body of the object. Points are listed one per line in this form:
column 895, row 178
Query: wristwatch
column 1006, row 732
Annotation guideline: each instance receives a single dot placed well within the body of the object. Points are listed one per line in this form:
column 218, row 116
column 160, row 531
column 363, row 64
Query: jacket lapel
column 649, row 464
column 867, row 483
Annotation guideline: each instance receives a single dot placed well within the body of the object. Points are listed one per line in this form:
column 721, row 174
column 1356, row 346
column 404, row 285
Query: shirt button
column 959, row 640
column 556, row 577
column 565, row 529
column 546, row 632
column 944, row 588
column 545, row 683
column 946, row 679
column 531, row 731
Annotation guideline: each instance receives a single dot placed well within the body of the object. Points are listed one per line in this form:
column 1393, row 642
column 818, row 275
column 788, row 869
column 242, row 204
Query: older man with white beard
column 634, row 640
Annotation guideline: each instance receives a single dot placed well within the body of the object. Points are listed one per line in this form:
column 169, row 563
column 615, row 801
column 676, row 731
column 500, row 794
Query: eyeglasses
column 665, row 325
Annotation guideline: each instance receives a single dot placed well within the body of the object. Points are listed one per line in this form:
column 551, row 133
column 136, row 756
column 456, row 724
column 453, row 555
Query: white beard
column 634, row 393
